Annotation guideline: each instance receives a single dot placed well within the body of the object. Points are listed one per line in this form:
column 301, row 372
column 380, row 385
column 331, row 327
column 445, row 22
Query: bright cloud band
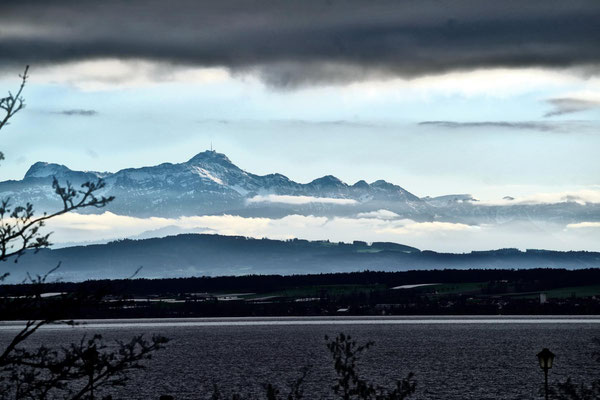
column 440, row 236
column 297, row 200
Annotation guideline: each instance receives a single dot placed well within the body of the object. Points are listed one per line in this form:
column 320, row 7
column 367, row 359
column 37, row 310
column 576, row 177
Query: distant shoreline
column 289, row 321
column 491, row 292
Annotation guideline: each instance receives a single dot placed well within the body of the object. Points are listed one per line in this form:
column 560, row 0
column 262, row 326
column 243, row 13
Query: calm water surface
column 452, row 357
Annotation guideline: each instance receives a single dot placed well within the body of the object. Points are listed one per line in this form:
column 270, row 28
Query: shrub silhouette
column 570, row 390
column 349, row 384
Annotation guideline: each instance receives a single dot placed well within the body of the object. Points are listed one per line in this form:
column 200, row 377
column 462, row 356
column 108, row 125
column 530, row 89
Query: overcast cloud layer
column 291, row 43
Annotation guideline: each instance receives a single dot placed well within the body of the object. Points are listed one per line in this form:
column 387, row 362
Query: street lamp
column 545, row 358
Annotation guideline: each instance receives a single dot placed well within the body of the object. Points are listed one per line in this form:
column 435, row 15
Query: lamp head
column 545, row 358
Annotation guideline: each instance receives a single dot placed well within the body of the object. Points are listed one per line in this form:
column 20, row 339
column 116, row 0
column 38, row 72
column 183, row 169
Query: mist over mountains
column 210, row 184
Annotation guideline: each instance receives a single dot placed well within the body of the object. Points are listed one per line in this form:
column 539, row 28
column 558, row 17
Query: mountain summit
column 44, row 169
column 210, row 156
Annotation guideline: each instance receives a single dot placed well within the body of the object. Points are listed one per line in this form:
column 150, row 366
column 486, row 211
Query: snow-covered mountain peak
column 383, row 184
column 328, row 180
column 210, row 156
column 43, row 169
column 361, row 185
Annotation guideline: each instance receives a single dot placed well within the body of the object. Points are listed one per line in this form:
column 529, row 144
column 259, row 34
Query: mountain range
column 210, row 184
column 216, row 255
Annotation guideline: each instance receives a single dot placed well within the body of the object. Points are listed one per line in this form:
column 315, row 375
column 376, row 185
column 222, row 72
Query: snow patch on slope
column 205, row 174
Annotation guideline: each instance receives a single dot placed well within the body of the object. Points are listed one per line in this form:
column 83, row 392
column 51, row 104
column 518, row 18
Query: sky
column 479, row 97
column 488, row 98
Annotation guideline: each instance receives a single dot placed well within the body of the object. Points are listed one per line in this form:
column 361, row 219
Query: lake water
column 451, row 357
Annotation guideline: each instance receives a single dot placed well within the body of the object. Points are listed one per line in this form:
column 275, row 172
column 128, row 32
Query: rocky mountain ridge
column 210, row 184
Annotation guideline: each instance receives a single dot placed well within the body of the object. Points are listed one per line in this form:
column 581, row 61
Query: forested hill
column 216, row 255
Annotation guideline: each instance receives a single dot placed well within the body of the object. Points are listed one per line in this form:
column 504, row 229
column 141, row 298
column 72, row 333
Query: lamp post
column 545, row 358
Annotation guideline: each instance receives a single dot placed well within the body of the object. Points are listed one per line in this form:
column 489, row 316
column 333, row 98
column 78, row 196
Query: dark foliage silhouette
column 571, row 390
column 75, row 371
column 349, row 383
column 294, row 391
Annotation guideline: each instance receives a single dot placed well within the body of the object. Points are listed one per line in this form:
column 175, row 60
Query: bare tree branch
column 20, row 229
column 12, row 104
column 71, row 372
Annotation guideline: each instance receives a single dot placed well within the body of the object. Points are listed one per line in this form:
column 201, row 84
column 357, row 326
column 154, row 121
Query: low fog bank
column 73, row 229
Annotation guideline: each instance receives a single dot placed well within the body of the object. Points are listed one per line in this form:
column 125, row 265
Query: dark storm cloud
column 569, row 105
column 78, row 112
column 290, row 43
column 527, row 125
